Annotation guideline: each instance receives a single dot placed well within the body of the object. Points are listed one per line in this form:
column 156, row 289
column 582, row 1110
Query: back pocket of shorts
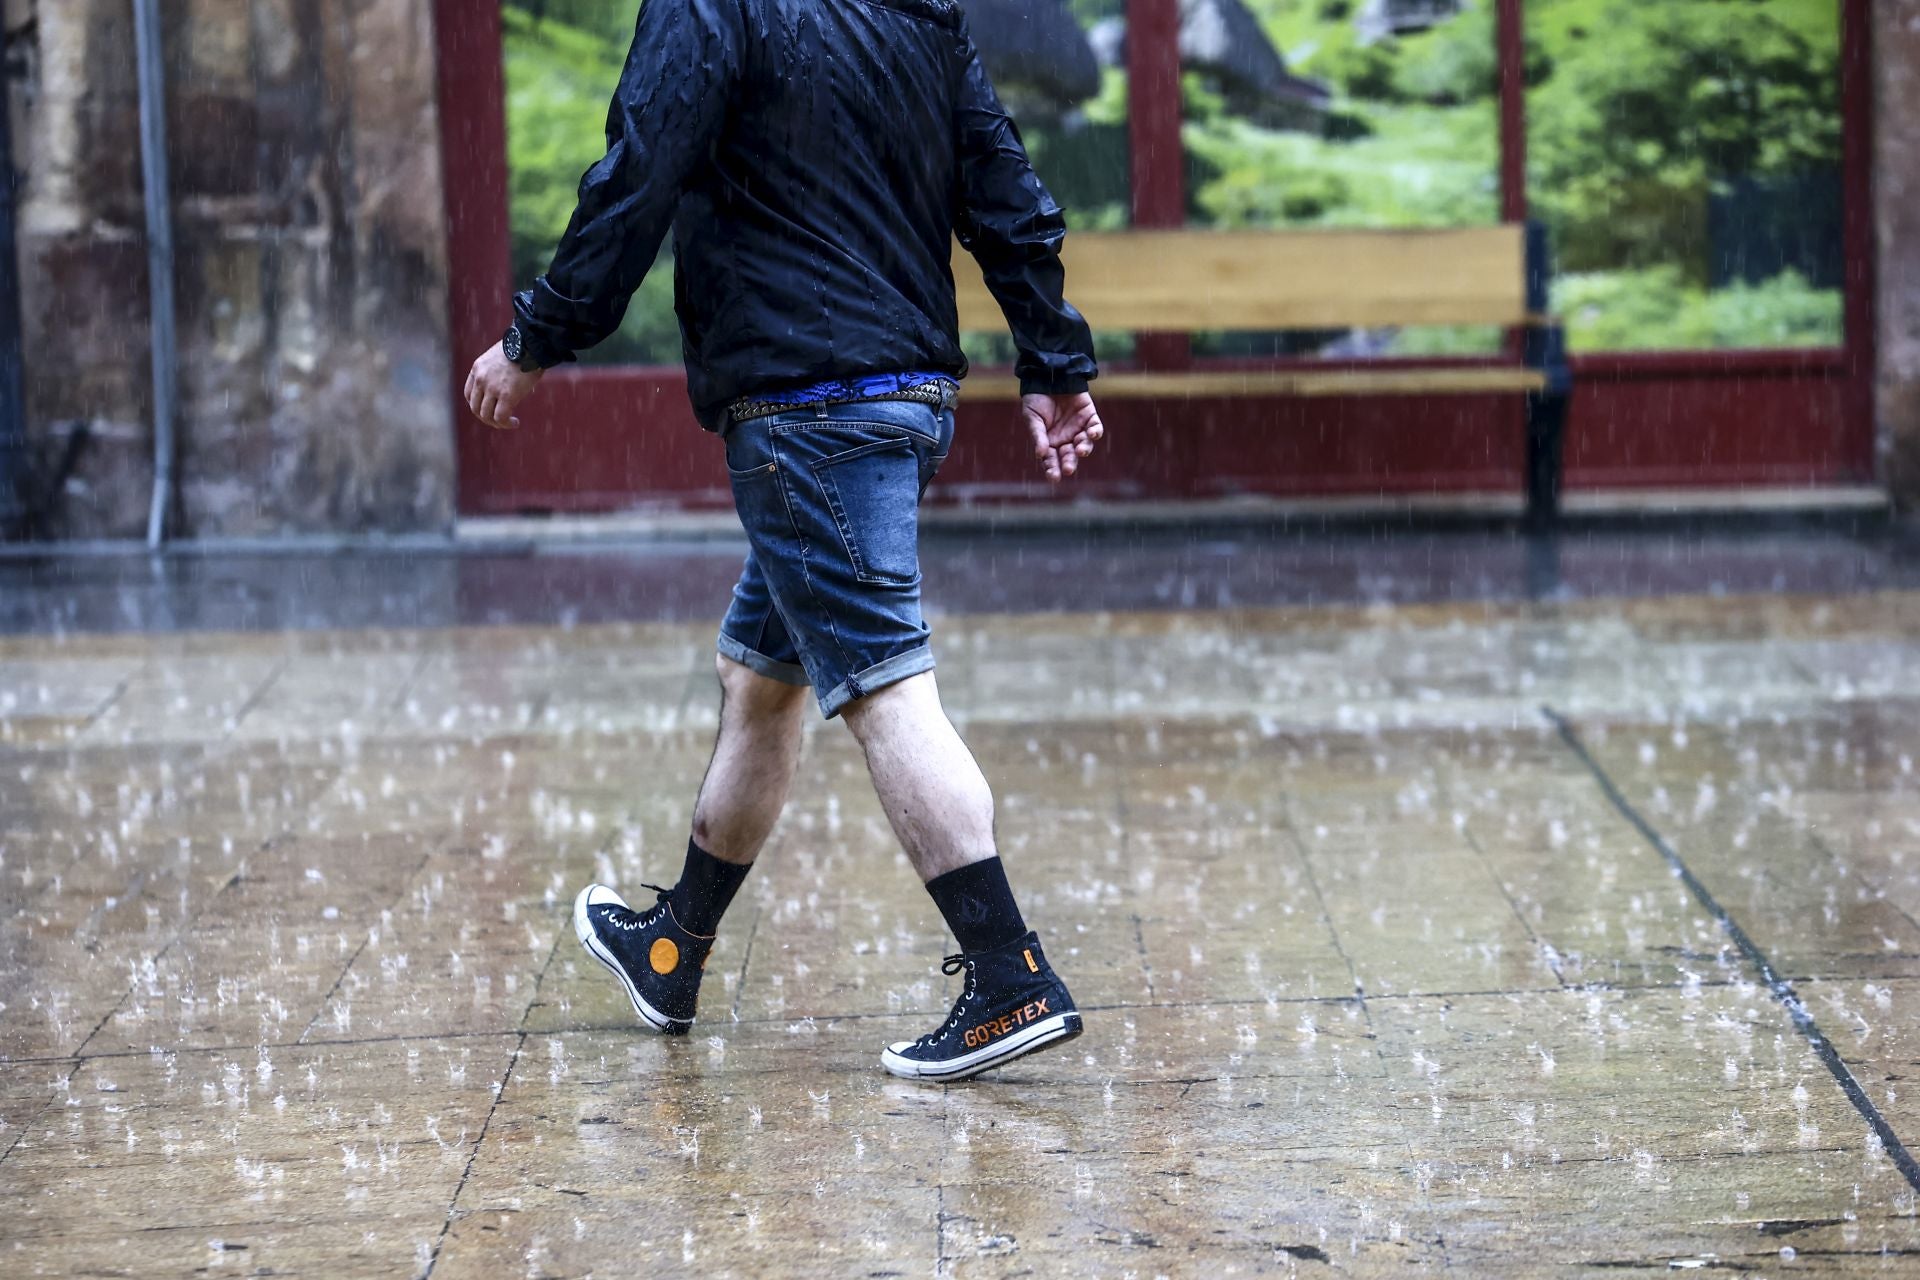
column 874, row 492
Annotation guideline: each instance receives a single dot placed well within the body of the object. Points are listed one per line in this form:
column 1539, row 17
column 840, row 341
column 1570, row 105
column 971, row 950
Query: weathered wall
column 313, row 262
column 311, row 275
column 1896, row 40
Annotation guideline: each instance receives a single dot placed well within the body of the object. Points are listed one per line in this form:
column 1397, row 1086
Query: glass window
column 1057, row 63
column 1060, row 68
column 1342, row 113
column 563, row 59
column 1686, row 155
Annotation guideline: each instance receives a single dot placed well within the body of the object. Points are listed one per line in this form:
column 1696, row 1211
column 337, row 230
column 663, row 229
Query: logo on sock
column 972, row 910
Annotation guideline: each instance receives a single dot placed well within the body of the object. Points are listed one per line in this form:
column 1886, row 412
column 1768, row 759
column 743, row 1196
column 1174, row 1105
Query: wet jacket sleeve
column 1014, row 228
column 669, row 107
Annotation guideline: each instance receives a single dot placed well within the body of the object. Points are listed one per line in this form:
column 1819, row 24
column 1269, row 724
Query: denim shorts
column 830, row 498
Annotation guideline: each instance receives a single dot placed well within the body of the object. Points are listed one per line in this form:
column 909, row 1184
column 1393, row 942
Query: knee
column 908, row 700
column 754, row 694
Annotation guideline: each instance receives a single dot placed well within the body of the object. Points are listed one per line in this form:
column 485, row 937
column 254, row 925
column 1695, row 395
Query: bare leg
column 933, row 791
column 754, row 760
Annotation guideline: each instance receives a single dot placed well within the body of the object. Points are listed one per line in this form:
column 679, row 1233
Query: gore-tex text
column 997, row 1027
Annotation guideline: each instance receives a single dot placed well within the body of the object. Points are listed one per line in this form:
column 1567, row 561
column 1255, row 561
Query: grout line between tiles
column 746, row 959
column 1123, row 1006
column 473, row 1157
column 253, row 699
column 499, row 1094
column 79, row 1055
column 1540, row 948
column 1812, row 833
column 366, row 939
column 1781, row 988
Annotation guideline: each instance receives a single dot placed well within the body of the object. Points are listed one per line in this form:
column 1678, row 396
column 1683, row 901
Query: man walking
column 815, row 159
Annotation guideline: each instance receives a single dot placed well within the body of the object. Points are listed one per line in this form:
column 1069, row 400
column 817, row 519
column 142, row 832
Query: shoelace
column 657, row 901
column 950, row 966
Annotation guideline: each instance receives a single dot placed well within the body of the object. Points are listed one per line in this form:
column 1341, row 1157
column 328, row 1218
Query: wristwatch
column 514, row 347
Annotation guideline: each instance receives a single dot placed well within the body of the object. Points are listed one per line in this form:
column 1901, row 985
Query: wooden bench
column 1201, row 281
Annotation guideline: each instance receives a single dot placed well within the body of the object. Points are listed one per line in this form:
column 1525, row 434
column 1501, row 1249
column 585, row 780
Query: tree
column 1647, row 109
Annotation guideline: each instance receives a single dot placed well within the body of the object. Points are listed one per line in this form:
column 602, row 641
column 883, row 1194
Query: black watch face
column 514, row 346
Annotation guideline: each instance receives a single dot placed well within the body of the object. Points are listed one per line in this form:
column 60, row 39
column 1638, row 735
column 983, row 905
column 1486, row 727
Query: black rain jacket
column 815, row 159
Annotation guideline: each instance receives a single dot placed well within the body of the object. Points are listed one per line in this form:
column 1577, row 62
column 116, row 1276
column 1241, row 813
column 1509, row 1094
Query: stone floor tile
column 1539, row 1078
column 1818, row 1212
column 1425, row 919
column 1871, row 1027
column 1373, row 969
column 236, row 1141
column 367, row 1244
column 862, row 1226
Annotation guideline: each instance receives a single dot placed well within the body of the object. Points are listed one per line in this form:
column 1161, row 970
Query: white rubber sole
column 583, row 930
column 1041, row 1035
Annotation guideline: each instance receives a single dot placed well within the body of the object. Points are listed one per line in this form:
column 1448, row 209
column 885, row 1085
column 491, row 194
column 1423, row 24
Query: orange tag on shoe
column 1031, row 966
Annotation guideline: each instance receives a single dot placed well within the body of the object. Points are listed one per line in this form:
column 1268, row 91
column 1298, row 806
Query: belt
column 939, row 393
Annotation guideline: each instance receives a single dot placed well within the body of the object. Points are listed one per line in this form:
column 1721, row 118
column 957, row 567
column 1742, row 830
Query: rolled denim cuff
column 901, row 666
column 760, row 664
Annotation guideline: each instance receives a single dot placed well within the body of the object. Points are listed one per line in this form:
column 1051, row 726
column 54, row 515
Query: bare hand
column 1065, row 429
column 496, row 387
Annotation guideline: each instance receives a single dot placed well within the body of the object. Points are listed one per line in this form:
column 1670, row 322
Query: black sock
column 706, row 886
column 978, row 905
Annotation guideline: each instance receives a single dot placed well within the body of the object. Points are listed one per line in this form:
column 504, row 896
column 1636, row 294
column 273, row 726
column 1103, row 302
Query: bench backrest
column 1187, row 281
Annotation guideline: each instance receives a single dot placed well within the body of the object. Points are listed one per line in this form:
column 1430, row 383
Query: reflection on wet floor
column 967, row 572
column 1381, row 974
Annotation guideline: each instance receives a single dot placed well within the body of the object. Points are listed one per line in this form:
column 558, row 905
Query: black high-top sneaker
column 657, row 961
column 1012, row 1004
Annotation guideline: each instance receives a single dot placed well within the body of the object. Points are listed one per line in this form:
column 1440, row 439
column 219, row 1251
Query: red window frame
column 601, row 439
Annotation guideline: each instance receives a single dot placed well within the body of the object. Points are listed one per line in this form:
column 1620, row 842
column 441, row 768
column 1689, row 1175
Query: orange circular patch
column 664, row 956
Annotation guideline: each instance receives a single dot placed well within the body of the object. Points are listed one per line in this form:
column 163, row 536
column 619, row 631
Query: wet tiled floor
column 1477, row 934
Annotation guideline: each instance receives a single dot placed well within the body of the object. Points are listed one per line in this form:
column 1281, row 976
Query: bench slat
column 1304, row 382
column 1199, row 281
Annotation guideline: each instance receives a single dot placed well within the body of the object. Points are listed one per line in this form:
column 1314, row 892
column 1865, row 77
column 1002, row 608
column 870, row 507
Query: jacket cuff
column 539, row 342
column 1062, row 384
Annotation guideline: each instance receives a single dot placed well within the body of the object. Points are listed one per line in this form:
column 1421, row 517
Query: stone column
column 1896, row 57
column 83, row 270
column 312, row 270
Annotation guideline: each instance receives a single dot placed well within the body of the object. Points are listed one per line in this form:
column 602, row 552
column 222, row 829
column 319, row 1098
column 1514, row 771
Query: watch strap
column 530, row 358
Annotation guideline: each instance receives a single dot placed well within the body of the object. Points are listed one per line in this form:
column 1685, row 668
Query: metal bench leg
column 1544, row 349
column 1546, row 451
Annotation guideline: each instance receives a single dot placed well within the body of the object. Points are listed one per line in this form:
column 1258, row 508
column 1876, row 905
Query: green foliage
column 1657, row 308
column 1458, row 62
column 1417, row 167
column 607, row 21
column 559, row 80
column 1359, row 70
column 1640, row 112
column 1650, row 109
column 1412, row 141
column 1084, row 159
column 1448, row 340
column 1088, row 12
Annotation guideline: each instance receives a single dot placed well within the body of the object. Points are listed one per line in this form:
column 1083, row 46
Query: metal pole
column 153, row 159
column 13, row 410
